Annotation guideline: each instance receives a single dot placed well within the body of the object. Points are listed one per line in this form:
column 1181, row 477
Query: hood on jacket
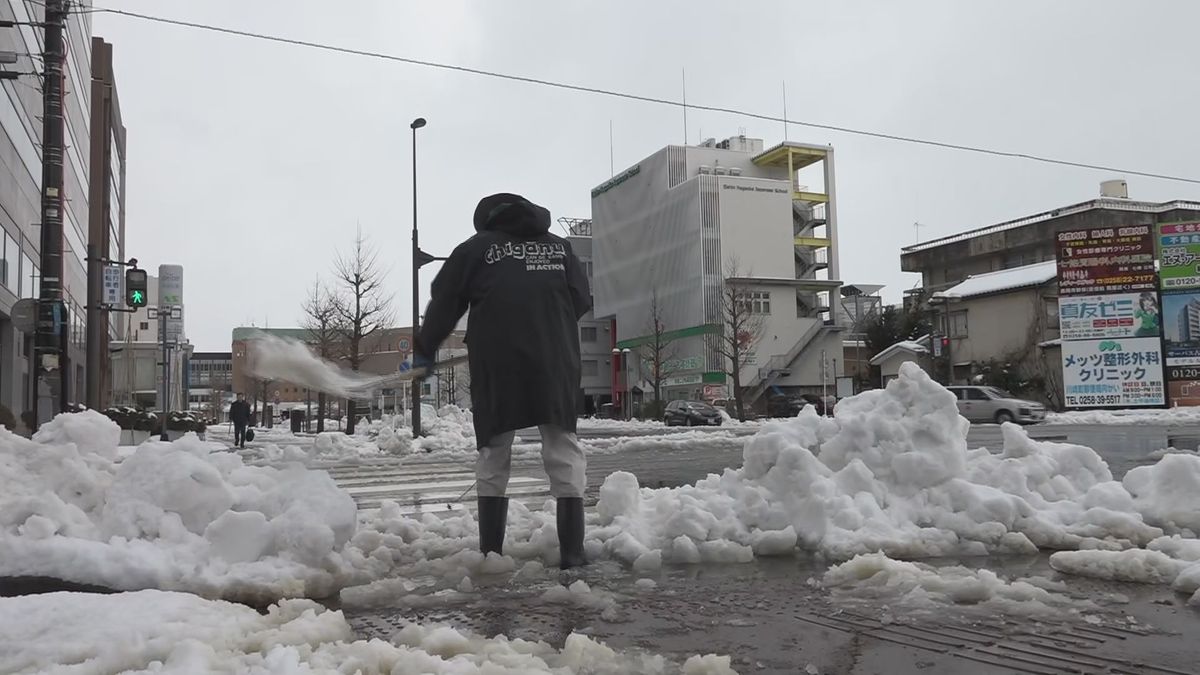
column 511, row 214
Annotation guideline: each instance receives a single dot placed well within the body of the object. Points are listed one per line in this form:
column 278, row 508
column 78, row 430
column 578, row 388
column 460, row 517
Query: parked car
column 989, row 404
column 785, row 406
column 691, row 414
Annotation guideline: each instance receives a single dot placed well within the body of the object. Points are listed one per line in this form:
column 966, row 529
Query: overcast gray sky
column 250, row 163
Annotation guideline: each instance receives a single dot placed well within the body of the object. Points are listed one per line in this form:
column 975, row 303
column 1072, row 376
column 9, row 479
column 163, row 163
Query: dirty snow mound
column 181, row 633
column 891, row 472
column 876, row 577
column 170, row 516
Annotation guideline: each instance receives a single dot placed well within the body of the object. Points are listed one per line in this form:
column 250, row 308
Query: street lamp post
column 628, row 393
column 416, row 280
column 617, row 395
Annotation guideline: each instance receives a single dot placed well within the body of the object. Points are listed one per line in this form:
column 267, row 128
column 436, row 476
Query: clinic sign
column 1106, row 260
column 1110, row 321
column 1113, row 373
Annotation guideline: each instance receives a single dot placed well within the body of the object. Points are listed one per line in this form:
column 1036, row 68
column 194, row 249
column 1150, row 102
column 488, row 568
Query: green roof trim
column 702, row 329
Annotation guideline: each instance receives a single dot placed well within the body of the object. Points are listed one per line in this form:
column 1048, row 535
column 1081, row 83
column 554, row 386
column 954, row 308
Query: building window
column 1051, row 312
column 591, row 368
column 958, row 324
column 11, row 256
column 145, row 325
column 587, row 333
column 759, row 302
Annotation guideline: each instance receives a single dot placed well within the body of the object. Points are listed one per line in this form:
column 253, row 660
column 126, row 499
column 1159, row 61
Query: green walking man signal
column 135, row 287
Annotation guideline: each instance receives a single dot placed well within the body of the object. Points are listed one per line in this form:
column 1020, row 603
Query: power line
column 636, row 97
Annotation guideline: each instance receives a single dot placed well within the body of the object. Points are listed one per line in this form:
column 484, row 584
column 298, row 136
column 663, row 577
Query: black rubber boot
column 493, row 520
column 570, row 532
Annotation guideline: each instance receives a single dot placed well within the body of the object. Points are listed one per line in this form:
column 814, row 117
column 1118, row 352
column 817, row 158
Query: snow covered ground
column 166, row 632
column 888, row 480
column 1172, row 417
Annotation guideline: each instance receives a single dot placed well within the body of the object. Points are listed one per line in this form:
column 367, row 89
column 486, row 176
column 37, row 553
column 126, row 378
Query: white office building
column 686, row 221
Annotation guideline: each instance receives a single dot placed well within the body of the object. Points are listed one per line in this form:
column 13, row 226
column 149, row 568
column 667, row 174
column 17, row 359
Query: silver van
column 989, row 404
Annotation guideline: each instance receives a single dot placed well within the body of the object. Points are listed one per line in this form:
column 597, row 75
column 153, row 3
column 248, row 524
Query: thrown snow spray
column 273, row 358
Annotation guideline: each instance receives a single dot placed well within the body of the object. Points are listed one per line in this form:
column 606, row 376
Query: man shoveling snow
column 526, row 292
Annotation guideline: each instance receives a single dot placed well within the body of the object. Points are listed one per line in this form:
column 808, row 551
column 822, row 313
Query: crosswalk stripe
column 434, row 487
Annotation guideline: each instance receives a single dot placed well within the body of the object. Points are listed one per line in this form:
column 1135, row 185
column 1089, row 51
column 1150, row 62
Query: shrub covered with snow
column 170, row 516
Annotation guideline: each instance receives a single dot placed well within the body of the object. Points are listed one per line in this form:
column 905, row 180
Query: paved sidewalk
column 770, row 620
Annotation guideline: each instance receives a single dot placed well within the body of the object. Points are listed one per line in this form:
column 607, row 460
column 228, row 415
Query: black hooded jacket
column 526, row 291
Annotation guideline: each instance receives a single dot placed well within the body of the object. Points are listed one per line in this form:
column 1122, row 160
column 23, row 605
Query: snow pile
column 1168, row 493
column 604, row 424
column 890, row 473
column 687, row 440
column 913, row 585
column 180, row 633
column 1172, row 417
column 170, row 516
column 1167, row 560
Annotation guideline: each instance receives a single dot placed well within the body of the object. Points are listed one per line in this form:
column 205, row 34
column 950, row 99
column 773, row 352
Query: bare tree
column 659, row 352
column 324, row 334
column 741, row 329
column 363, row 306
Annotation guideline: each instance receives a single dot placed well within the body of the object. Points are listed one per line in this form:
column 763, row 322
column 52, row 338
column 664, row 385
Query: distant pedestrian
column 526, row 292
column 239, row 414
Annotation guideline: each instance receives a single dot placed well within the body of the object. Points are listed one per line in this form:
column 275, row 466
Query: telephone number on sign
column 1109, row 399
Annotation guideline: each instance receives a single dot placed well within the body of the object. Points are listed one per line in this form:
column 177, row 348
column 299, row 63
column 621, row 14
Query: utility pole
column 96, row 326
column 51, row 338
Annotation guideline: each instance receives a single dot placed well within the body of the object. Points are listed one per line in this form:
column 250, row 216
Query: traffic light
column 135, row 287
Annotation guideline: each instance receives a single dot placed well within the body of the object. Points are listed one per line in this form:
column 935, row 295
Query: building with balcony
column 687, row 222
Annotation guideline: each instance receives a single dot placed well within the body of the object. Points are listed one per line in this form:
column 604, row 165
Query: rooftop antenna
column 917, row 229
column 785, row 118
column 685, row 106
column 612, row 167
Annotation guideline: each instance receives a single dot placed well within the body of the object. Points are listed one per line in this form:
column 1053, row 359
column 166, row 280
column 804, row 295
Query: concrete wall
column 806, row 370
column 1005, row 323
column 756, row 226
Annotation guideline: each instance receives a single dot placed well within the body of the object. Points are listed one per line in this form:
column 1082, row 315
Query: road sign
column 113, row 288
column 170, row 294
column 24, row 315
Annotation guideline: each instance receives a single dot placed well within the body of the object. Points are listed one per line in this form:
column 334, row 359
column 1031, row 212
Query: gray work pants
column 561, row 455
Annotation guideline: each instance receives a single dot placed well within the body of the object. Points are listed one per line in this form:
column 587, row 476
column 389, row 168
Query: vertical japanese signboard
column 1179, row 256
column 1109, row 318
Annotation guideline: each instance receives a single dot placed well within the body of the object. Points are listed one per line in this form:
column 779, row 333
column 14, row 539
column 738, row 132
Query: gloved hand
column 415, row 362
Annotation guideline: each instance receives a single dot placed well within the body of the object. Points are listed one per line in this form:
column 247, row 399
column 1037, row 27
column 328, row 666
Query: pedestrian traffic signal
column 135, row 287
